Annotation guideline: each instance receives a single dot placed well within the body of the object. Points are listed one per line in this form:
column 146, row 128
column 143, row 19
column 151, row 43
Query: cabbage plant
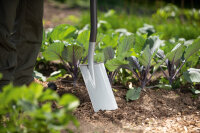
column 69, row 47
column 177, row 58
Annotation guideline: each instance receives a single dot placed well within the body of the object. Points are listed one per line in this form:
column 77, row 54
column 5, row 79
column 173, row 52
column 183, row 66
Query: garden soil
column 159, row 111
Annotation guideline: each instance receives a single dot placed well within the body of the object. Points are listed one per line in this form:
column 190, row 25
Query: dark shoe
column 52, row 86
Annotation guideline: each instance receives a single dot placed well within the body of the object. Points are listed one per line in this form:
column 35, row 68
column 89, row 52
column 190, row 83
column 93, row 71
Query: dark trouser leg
column 8, row 54
column 28, row 39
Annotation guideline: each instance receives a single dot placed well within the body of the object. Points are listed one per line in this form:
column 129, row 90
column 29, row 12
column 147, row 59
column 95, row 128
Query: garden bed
column 156, row 111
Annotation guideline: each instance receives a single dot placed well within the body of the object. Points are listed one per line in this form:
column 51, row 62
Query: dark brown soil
column 156, row 111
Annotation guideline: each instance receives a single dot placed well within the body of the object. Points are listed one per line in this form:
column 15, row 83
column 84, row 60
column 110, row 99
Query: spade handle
column 93, row 35
column 93, row 19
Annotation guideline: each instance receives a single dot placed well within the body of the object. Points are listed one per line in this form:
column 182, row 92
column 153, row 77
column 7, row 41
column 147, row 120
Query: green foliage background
column 133, row 3
column 28, row 109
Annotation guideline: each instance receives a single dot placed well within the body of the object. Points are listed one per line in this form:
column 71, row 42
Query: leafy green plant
column 169, row 21
column 29, row 109
column 137, row 58
column 173, row 12
column 192, row 76
column 169, row 11
column 144, row 50
column 39, row 76
column 115, row 61
column 68, row 48
column 176, row 58
column 56, row 74
column 141, row 72
column 141, row 66
column 146, row 29
column 61, row 33
column 193, row 14
column 133, row 93
column 52, row 77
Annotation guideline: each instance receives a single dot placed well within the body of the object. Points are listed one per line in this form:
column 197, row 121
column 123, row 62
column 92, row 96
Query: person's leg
column 28, row 39
column 8, row 60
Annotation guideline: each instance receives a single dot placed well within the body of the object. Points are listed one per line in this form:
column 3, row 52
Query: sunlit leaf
column 115, row 63
column 154, row 42
column 192, row 49
column 48, row 94
column 125, row 45
column 70, row 101
column 109, row 53
column 54, row 51
column 83, row 40
column 72, row 53
column 146, row 56
column 176, row 53
column 195, row 91
column 133, row 94
column 134, row 62
column 99, row 57
column 192, row 75
column 39, row 76
column 146, row 29
column 110, row 40
column 161, row 86
column 139, row 42
column 56, row 74
column 62, row 32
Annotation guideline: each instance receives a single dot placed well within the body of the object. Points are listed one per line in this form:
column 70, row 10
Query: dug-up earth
column 157, row 111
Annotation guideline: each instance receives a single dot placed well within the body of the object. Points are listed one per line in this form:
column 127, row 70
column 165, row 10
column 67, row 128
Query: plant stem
column 150, row 77
column 178, row 70
column 75, row 72
column 113, row 76
column 143, row 85
column 75, row 81
column 162, row 70
column 170, row 67
column 84, row 60
column 134, row 72
column 66, row 66
column 110, row 76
